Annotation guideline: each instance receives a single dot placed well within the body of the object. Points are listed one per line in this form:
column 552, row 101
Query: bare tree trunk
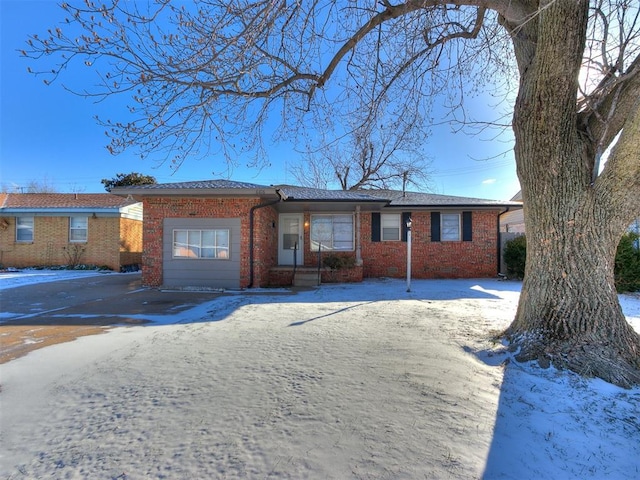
column 569, row 313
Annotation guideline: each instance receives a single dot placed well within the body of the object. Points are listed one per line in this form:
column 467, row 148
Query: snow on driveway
column 347, row 381
column 30, row 276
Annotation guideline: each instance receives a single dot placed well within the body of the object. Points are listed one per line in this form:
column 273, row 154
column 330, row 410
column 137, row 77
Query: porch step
column 305, row 279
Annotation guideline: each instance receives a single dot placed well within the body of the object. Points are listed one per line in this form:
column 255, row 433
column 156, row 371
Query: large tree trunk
column 569, row 314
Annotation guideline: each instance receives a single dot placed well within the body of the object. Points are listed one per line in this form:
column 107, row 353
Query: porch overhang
column 300, row 206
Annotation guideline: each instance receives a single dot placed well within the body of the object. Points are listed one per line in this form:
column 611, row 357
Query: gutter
column 251, row 229
column 458, row 206
column 499, row 247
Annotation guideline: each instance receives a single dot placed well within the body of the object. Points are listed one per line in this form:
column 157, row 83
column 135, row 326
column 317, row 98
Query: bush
column 515, row 256
column 627, row 267
column 338, row 262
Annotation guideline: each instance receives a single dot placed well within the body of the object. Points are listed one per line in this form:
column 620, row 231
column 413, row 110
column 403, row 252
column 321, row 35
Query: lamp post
column 409, row 255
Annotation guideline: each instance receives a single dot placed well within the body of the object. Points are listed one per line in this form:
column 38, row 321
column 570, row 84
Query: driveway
column 38, row 315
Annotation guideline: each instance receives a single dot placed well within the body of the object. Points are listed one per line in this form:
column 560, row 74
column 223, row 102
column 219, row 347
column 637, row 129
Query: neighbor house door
column 290, row 239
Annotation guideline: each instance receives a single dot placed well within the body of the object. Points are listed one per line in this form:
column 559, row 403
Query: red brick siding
column 345, row 275
column 265, row 246
column 380, row 259
column 477, row 258
column 51, row 241
column 281, row 277
column 158, row 208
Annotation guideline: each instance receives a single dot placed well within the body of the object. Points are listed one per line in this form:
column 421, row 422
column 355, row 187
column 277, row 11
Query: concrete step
column 305, row 279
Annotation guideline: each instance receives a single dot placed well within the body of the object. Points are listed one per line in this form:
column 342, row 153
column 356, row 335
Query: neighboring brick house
column 225, row 234
column 49, row 229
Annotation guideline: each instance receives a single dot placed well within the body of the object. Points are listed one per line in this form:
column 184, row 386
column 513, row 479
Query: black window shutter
column 467, row 229
column 406, row 216
column 435, row 226
column 375, row 227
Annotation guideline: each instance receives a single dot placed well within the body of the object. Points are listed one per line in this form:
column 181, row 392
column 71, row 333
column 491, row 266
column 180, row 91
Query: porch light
column 409, row 254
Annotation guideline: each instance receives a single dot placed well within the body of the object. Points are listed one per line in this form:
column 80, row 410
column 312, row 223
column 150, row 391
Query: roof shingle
column 201, row 184
column 291, row 193
column 317, row 194
column 65, row 200
column 419, row 199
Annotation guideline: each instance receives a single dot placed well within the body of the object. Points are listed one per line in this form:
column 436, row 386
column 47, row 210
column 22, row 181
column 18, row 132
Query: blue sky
column 49, row 135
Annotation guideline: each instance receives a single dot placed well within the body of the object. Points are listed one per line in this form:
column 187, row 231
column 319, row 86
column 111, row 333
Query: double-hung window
column 450, row 231
column 332, row 232
column 390, row 225
column 24, row 229
column 203, row 244
column 451, row 227
column 78, row 228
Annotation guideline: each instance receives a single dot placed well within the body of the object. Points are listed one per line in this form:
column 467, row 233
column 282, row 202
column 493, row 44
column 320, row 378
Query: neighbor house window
column 332, row 232
column 450, row 231
column 207, row 244
column 24, row 229
column 390, row 225
column 78, row 227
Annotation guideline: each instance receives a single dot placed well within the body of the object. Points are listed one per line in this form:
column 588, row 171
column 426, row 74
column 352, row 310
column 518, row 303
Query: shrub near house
column 515, row 256
column 627, row 268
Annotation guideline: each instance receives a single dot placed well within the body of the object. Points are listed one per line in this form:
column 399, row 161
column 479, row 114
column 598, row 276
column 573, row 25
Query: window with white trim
column 203, row 244
column 332, row 233
column 24, row 229
column 78, row 229
column 450, row 227
column 390, row 226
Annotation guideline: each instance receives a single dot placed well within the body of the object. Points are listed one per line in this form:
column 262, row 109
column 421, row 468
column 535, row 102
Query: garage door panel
column 202, row 272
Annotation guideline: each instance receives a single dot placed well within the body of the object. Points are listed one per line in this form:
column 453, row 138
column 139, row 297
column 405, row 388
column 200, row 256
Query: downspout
column 500, row 241
column 358, row 238
column 251, row 228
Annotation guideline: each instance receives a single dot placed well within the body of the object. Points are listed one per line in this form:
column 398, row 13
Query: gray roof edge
column 336, row 200
column 190, row 192
column 202, row 187
column 59, row 210
column 427, row 199
column 493, row 205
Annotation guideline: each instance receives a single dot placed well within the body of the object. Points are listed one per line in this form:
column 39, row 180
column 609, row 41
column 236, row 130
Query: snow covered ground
column 356, row 381
column 28, row 276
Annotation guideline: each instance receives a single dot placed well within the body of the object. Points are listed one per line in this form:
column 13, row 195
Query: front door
column 290, row 239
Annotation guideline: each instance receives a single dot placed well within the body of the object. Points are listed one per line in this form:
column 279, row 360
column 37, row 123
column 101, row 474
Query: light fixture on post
column 409, row 254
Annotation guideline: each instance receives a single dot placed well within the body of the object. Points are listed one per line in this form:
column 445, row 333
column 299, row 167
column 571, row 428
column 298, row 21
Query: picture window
column 202, row 244
column 332, row 233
